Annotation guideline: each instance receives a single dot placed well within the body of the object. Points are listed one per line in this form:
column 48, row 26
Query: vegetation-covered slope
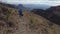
column 29, row 23
column 8, row 20
column 51, row 14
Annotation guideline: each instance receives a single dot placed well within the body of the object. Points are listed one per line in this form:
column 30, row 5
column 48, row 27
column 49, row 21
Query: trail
column 24, row 27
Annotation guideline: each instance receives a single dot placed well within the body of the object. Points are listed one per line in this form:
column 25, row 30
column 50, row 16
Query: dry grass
column 29, row 23
column 8, row 20
column 40, row 25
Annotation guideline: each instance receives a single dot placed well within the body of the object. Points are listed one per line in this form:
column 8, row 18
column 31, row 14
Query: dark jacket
column 20, row 11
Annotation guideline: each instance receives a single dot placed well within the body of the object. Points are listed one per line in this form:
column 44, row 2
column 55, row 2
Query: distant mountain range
column 28, row 6
column 36, row 6
column 12, row 5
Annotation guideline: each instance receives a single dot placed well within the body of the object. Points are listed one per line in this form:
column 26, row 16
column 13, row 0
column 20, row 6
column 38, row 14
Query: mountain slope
column 29, row 23
column 55, row 10
column 48, row 14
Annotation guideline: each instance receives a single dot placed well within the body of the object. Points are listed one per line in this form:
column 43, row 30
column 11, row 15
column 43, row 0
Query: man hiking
column 20, row 12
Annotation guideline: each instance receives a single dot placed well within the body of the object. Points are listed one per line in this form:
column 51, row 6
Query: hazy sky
column 48, row 2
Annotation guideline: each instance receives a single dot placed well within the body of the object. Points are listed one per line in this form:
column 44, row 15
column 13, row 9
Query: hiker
column 20, row 12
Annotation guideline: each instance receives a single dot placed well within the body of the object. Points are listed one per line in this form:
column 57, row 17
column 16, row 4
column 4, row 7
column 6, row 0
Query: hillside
column 29, row 23
column 55, row 10
column 51, row 14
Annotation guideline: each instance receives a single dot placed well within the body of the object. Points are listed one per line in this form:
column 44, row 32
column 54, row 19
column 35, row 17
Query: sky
column 47, row 2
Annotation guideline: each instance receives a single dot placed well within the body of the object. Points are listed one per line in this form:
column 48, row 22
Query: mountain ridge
column 12, row 23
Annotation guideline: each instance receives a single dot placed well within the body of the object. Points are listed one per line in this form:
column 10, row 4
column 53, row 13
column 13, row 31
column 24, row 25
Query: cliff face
column 29, row 23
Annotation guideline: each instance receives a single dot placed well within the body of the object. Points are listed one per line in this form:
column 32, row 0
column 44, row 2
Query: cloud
column 48, row 2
